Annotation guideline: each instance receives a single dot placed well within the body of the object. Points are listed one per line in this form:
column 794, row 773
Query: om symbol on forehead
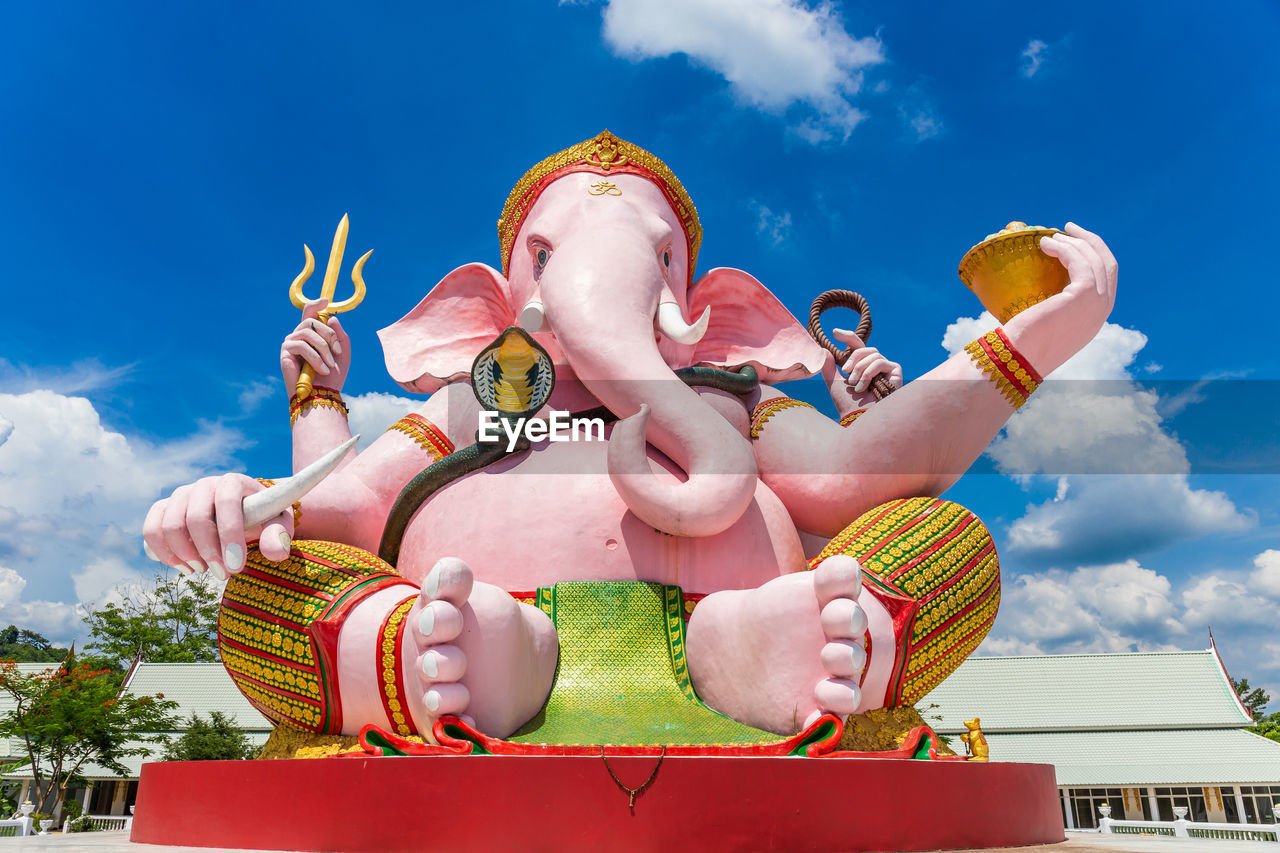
column 603, row 188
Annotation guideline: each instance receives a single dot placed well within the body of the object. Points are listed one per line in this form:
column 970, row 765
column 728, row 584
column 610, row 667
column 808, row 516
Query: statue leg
column 332, row 639
column 478, row 652
column 890, row 608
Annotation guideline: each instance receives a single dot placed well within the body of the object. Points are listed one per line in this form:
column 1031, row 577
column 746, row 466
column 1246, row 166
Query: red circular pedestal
column 561, row 803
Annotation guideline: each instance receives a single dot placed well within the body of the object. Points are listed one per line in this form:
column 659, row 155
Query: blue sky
column 163, row 164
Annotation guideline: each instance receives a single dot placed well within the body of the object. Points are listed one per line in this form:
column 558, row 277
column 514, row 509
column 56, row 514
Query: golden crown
column 604, row 154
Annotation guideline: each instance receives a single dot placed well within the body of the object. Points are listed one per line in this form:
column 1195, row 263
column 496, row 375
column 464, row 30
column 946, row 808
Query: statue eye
column 666, row 259
column 540, row 257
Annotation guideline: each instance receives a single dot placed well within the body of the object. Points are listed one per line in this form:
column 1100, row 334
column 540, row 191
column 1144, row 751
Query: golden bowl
column 1008, row 272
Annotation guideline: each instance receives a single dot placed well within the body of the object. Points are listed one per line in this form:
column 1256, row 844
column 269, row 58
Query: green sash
column 623, row 678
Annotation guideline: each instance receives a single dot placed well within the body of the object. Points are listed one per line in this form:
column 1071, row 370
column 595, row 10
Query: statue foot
column 778, row 656
column 478, row 652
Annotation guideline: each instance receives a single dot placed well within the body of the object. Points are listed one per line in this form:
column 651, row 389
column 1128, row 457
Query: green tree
column 19, row 644
column 67, row 717
column 218, row 739
column 174, row 619
column 1256, row 700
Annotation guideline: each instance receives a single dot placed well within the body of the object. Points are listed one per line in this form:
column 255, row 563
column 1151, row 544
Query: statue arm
column 917, row 441
column 922, row 438
column 352, row 504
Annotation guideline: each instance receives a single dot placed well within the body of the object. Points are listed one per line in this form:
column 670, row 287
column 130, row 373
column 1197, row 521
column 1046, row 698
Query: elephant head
column 598, row 245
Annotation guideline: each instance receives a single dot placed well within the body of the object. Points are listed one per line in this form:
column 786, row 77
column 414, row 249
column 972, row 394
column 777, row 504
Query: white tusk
column 672, row 324
column 532, row 315
column 263, row 506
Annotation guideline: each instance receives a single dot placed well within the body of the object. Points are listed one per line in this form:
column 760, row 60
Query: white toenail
column 426, row 621
column 429, row 665
column 196, row 566
column 432, row 589
column 858, row 622
column 432, row 698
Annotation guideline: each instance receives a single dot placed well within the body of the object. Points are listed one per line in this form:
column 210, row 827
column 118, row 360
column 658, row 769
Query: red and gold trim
column 320, row 398
column 390, row 673
column 606, row 155
column 278, row 628
column 851, row 417
column 766, row 409
column 996, row 356
column 425, row 434
column 933, row 565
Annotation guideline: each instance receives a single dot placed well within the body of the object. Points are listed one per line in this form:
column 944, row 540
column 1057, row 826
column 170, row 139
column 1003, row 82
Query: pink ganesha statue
column 711, row 561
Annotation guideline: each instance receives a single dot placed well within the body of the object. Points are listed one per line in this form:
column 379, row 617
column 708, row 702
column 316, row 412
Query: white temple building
column 1143, row 732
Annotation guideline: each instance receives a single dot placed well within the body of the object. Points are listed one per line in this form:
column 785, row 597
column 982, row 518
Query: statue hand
column 1050, row 332
column 850, row 385
column 324, row 346
column 201, row 527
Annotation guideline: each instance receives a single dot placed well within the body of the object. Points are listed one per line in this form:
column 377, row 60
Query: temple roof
column 1095, row 692
column 197, row 688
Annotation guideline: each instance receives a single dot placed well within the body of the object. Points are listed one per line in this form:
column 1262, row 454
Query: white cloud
column 51, row 618
column 925, row 124
column 1107, row 608
column 371, row 414
column 774, row 53
column 1033, row 56
column 73, row 494
column 918, row 112
column 1266, row 573
column 77, row 378
column 775, row 227
column 251, row 396
column 1122, row 479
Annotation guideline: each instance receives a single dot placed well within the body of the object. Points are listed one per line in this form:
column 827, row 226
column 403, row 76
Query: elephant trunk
column 601, row 297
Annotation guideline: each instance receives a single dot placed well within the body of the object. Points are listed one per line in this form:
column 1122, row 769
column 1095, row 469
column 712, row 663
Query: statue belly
column 553, row 515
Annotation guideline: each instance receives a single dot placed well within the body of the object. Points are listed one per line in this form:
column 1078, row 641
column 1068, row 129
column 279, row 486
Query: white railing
column 19, row 826
column 101, row 823
column 1183, row 828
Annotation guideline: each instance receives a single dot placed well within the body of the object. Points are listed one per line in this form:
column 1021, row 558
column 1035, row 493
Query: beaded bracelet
column 996, row 356
column 322, row 398
column 297, row 505
column 768, row 408
column 425, row 434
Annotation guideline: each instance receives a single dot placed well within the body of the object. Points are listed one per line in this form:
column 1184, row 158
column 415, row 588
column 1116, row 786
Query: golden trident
column 307, row 377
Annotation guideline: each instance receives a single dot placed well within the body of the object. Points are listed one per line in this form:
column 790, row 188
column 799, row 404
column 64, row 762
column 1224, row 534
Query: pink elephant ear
column 435, row 343
column 750, row 326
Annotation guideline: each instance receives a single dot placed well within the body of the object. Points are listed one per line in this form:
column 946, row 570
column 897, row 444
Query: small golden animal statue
column 307, row 377
column 975, row 742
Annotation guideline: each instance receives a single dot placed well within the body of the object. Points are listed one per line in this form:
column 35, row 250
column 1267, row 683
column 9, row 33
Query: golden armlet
column 319, row 398
column 766, row 409
column 995, row 356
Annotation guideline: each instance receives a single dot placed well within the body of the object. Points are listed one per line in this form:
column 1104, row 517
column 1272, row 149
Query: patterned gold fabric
column 935, row 565
column 278, row 628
